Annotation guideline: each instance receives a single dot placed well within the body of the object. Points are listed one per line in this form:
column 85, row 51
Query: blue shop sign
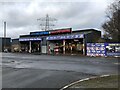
column 40, row 33
column 65, row 37
column 30, row 39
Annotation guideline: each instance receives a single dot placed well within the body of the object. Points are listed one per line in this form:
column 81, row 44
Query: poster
column 103, row 49
column 96, row 49
column 113, row 49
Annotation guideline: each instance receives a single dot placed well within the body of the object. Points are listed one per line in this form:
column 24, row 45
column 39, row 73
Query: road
column 47, row 71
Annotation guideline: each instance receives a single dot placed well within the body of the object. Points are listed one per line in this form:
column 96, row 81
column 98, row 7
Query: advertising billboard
column 103, row 49
column 113, row 49
column 96, row 49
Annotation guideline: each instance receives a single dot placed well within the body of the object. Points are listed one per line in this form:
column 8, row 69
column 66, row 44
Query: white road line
column 117, row 63
column 65, row 87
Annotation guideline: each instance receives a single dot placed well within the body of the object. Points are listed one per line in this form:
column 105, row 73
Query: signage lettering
column 60, row 31
column 29, row 39
column 65, row 37
column 51, row 32
column 40, row 33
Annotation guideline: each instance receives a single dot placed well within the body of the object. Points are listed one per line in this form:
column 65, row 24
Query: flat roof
column 85, row 30
column 53, row 30
column 5, row 37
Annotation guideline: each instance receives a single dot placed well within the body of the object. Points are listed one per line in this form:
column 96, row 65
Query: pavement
column 47, row 71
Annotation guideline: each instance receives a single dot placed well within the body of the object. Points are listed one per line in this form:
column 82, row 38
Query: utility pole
column 4, row 39
column 46, row 22
column 4, row 29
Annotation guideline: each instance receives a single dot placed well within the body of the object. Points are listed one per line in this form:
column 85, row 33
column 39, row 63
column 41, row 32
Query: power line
column 46, row 22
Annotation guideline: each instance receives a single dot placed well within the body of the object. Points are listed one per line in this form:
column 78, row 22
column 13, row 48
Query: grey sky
column 21, row 16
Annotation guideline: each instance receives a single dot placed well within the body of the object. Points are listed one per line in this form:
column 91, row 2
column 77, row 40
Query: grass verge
column 102, row 82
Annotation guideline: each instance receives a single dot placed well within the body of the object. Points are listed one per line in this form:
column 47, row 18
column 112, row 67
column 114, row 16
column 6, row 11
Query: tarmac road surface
column 47, row 71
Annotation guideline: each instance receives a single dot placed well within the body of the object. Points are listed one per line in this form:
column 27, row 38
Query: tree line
column 112, row 24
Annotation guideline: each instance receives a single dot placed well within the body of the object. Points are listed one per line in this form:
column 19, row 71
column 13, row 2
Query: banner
column 29, row 39
column 113, row 49
column 65, row 37
column 103, row 49
column 96, row 49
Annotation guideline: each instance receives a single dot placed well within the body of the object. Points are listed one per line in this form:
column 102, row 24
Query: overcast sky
column 21, row 16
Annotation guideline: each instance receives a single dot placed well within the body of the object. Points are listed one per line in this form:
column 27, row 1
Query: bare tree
column 112, row 24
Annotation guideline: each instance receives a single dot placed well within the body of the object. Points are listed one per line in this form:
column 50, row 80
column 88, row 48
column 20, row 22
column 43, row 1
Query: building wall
column 5, row 44
column 94, row 36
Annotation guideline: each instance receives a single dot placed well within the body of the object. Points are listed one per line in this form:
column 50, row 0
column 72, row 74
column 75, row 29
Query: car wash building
column 59, row 41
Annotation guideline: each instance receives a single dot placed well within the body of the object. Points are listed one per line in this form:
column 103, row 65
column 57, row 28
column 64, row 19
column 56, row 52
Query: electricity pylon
column 46, row 22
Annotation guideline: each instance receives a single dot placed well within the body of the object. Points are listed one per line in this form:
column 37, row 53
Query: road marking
column 117, row 63
column 116, row 56
column 104, row 75
column 81, row 80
